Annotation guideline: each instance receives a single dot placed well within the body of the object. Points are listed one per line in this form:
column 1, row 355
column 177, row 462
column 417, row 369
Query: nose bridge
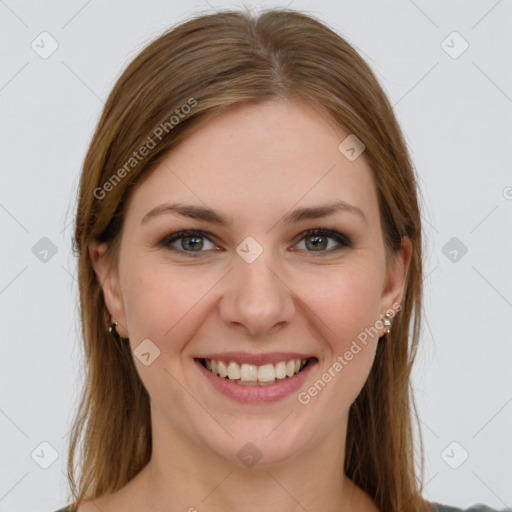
column 256, row 296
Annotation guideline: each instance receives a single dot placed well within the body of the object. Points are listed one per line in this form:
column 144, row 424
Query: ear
column 109, row 281
column 394, row 285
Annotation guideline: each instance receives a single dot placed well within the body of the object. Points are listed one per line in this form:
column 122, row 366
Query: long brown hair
column 213, row 63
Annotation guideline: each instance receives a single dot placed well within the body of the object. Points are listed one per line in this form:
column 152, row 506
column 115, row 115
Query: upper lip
column 256, row 359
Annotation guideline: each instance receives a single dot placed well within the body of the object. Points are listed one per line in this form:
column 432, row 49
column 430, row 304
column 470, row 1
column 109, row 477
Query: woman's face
column 256, row 290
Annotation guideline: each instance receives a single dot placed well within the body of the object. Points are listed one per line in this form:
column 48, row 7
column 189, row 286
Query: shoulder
column 69, row 508
column 437, row 507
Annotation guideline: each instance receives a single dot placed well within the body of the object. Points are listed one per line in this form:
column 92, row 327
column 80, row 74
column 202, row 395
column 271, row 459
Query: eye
column 193, row 241
column 188, row 241
column 318, row 239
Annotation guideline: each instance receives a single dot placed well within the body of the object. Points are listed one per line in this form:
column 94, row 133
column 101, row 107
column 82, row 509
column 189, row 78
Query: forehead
column 256, row 162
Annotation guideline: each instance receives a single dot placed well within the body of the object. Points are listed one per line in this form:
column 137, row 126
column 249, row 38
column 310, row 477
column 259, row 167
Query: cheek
column 347, row 302
column 347, row 305
column 163, row 305
column 158, row 302
column 168, row 304
column 348, row 309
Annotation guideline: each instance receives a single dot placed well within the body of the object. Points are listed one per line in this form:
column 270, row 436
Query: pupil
column 196, row 238
column 316, row 240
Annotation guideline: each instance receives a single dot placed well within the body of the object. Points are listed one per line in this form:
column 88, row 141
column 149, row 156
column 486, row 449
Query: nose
column 257, row 299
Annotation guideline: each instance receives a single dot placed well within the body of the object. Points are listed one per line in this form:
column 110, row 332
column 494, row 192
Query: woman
column 250, row 272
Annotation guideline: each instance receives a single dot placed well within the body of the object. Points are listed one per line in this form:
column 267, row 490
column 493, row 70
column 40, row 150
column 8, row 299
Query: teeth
column 233, row 371
column 250, row 374
column 266, row 373
column 223, row 369
column 281, row 370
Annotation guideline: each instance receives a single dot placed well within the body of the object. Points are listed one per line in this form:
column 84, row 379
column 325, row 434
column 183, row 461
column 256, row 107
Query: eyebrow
column 216, row 217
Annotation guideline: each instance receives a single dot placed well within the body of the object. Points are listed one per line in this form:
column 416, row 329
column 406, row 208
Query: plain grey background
column 446, row 69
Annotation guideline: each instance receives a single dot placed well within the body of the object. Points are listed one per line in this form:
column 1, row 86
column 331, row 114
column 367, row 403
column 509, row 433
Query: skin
column 254, row 164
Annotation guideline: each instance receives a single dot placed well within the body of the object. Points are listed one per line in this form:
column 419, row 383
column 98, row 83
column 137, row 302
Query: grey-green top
column 436, row 507
column 479, row 507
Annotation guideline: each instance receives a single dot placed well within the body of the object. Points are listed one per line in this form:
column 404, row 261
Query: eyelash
column 342, row 240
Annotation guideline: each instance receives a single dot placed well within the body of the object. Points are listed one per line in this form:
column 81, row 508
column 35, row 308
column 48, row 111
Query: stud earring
column 387, row 322
column 112, row 328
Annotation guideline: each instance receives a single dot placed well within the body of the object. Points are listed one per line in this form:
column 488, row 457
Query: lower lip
column 269, row 393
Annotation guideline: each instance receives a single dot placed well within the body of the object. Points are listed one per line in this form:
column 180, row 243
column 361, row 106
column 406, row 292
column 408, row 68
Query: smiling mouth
column 254, row 375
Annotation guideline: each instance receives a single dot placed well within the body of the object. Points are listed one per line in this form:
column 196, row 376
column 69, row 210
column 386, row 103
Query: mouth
column 245, row 374
column 248, row 382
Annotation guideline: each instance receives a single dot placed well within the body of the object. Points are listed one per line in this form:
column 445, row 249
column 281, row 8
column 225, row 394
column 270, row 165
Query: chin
column 261, row 443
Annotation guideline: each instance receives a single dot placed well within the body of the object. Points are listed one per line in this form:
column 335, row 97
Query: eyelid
column 341, row 239
column 177, row 235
